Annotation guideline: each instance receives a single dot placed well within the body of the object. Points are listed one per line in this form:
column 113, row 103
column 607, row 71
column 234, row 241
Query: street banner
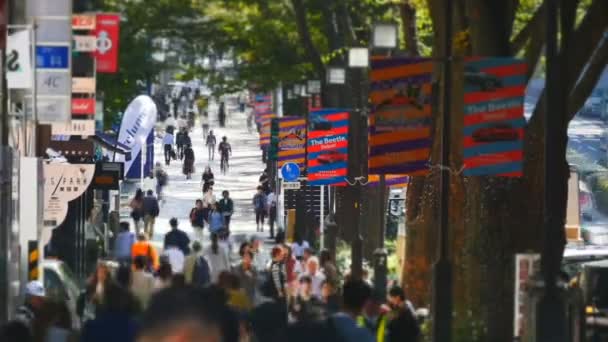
column 400, row 121
column 292, row 141
column 391, row 181
column 62, row 184
column 108, row 36
column 265, row 123
column 494, row 116
column 19, row 60
column 85, row 43
column 137, row 124
column 328, row 147
column 262, row 106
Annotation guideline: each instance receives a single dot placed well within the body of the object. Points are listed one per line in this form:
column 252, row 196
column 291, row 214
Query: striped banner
column 494, row 116
column 262, row 106
column 391, row 181
column 292, row 141
column 265, row 122
column 328, row 147
column 400, row 123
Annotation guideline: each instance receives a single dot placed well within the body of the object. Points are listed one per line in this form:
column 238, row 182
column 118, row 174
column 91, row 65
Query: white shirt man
column 176, row 259
column 316, row 276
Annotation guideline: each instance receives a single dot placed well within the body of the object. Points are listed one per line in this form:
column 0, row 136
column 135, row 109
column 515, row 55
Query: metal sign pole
column 34, row 91
column 322, row 218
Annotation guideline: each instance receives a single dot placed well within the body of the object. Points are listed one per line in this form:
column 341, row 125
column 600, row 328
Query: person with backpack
column 259, row 206
column 196, row 268
column 151, row 210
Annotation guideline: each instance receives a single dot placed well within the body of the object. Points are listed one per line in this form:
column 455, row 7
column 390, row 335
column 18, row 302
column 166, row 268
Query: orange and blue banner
column 400, row 137
column 292, row 141
column 391, row 181
column 265, row 123
column 262, row 106
column 494, row 116
column 328, row 147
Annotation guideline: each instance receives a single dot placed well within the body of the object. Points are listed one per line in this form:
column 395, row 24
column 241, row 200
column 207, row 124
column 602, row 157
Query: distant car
column 484, row 81
column 329, row 157
column 498, row 132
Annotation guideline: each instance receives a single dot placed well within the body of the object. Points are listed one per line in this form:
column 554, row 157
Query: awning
column 110, row 143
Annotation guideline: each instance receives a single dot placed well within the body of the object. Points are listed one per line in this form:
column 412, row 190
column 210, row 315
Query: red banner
column 83, row 107
column 107, row 33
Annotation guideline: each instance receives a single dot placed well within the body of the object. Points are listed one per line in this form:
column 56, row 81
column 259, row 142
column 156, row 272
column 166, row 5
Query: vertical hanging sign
column 328, row 147
column 494, row 116
column 292, row 141
column 108, row 36
column 400, row 122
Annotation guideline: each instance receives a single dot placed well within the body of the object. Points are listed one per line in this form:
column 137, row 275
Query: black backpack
column 201, row 275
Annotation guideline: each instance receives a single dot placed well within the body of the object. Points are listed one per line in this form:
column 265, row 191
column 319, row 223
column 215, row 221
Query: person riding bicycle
column 225, row 150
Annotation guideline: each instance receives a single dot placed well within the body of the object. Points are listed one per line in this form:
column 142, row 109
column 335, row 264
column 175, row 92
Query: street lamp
column 297, row 89
column 358, row 57
column 385, row 36
column 336, row 75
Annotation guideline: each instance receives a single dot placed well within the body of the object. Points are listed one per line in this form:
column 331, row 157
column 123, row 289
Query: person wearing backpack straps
column 196, row 267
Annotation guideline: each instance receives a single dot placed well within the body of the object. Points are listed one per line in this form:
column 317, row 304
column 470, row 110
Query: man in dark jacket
column 151, row 211
column 226, row 207
column 177, row 237
column 403, row 325
column 180, row 143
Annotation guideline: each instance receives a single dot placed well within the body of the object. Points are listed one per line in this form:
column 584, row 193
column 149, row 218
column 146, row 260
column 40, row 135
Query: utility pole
column 442, row 269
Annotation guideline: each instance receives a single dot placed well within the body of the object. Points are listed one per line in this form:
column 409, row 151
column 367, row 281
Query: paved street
column 241, row 180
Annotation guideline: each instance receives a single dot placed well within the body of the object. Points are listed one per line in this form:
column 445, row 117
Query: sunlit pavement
column 241, row 180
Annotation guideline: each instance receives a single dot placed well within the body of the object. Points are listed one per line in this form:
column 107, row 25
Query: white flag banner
column 19, row 60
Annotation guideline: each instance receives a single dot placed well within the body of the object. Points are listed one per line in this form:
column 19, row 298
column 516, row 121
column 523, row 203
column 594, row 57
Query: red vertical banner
column 108, row 37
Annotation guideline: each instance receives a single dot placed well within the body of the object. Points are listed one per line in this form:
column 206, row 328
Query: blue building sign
column 52, row 57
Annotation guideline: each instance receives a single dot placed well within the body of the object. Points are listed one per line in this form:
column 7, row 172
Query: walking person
column 354, row 296
column 188, row 166
column 316, row 276
column 226, row 207
column 165, row 275
column 216, row 220
column 122, row 244
column 247, row 274
column 207, row 179
column 205, row 122
column 278, row 278
column 197, row 271
column 143, row 248
column 221, row 115
column 142, row 281
column 402, row 325
column 218, row 257
column 151, row 211
column 225, row 151
column 177, row 237
column 137, row 208
column 259, row 206
column 179, row 143
column 168, row 141
column 271, row 204
column 211, row 142
column 197, row 219
column 161, row 180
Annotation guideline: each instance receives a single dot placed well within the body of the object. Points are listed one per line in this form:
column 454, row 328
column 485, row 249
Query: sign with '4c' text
column 108, row 35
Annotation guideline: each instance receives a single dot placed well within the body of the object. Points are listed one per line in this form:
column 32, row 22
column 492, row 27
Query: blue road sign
column 290, row 172
column 52, row 57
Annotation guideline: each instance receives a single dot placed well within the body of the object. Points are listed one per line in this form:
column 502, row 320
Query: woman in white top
column 299, row 246
column 218, row 257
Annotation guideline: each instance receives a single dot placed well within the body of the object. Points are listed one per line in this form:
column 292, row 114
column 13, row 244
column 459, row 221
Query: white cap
column 35, row 288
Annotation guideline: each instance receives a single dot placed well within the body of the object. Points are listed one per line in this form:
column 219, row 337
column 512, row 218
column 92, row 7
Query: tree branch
column 304, row 34
column 589, row 77
column 526, row 33
column 408, row 17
